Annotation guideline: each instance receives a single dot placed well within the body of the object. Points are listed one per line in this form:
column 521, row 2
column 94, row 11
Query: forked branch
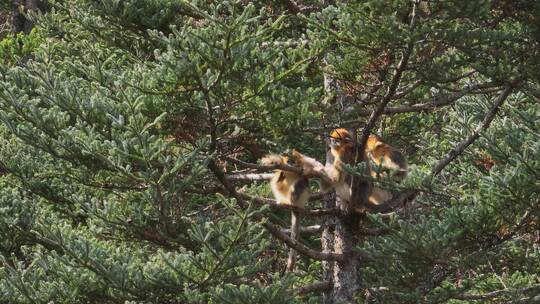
column 455, row 152
column 301, row 248
column 272, row 228
column 462, row 145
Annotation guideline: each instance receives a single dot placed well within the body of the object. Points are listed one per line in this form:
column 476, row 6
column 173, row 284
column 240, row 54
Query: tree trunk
column 340, row 235
column 345, row 278
column 327, row 246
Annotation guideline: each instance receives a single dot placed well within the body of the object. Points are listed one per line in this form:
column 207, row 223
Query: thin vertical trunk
column 18, row 20
column 340, row 235
column 327, row 246
column 346, row 284
column 343, row 238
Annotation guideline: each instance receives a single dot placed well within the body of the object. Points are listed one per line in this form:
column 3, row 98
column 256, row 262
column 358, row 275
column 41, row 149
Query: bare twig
column 308, row 229
column 317, row 172
column 264, row 168
column 249, row 176
column 301, row 248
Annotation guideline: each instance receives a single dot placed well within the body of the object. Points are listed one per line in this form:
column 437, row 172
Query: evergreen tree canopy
column 132, row 132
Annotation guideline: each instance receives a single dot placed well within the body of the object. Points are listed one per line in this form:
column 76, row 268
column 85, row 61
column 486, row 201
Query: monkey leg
column 295, row 227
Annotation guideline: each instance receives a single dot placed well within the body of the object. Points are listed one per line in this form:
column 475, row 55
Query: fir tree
column 132, row 130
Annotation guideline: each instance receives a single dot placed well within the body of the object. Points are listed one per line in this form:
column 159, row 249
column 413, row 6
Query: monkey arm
column 314, row 168
column 310, row 167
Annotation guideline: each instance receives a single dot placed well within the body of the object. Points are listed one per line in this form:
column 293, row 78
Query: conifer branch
column 497, row 293
column 317, row 172
column 390, row 92
column 272, row 228
column 409, row 194
column 437, row 102
column 462, row 145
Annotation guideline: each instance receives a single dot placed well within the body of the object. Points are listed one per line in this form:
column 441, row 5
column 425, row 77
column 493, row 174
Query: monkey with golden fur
column 384, row 156
column 357, row 191
column 344, row 151
column 290, row 188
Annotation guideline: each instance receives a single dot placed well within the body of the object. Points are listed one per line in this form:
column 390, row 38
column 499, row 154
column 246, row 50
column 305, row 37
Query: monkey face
column 373, row 142
column 334, row 143
column 339, row 138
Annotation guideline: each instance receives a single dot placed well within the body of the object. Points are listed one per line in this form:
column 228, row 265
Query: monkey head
column 341, row 139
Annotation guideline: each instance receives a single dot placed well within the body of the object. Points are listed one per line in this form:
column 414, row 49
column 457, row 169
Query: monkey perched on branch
column 289, row 188
column 344, row 151
column 358, row 191
column 292, row 188
column 386, row 158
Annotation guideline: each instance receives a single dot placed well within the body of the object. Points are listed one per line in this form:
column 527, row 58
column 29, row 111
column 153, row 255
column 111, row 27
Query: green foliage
column 121, row 118
column 13, row 49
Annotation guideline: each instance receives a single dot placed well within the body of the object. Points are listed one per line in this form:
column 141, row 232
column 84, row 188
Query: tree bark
column 327, row 246
column 345, row 276
column 340, row 235
column 343, row 238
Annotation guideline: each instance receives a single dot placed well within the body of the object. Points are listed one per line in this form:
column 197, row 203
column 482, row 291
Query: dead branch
column 249, row 176
column 308, row 229
column 264, row 168
column 301, row 248
column 318, row 170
